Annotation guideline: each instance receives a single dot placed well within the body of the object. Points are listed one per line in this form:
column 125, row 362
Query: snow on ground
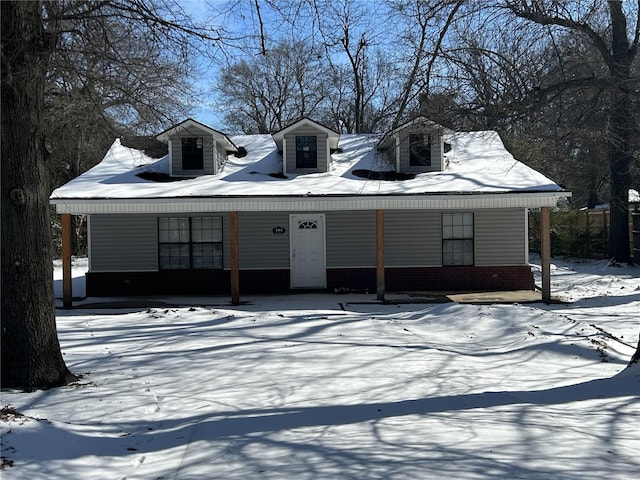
column 340, row 387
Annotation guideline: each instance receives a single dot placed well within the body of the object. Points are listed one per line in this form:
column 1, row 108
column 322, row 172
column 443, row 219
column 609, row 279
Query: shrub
column 572, row 234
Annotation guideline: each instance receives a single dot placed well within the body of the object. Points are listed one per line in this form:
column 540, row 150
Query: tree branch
column 535, row 13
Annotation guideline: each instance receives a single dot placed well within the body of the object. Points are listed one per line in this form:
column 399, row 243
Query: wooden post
column 545, row 252
column 605, row 228
column 235, row 264
column 67, row 292
column 380, row 286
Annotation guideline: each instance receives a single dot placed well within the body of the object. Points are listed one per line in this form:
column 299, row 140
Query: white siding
column 412, row 238
column 290, row 150
column 259, row 247
column 213, row 155
column 500, row 237
column 351, row 239
column 123, row 243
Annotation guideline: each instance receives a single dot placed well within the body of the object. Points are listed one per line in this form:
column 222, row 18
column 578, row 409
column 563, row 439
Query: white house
column 419, row 208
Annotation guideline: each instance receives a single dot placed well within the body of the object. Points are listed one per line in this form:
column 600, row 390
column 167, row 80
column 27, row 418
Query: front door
column 307, row 250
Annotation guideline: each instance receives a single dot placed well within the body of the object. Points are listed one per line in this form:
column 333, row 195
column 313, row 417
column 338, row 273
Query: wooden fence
column 596, row 222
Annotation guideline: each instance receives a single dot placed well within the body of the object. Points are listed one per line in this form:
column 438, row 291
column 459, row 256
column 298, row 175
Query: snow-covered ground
column 339, row 387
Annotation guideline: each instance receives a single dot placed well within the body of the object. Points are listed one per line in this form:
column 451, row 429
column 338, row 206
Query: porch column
column 67, row 293
column 380, row 286
column 235, row 264
column 545, row 252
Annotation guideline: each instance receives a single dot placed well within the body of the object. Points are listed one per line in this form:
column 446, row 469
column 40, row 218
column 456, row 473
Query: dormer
column 196, row 149
column 306, row 146
column 416, row 146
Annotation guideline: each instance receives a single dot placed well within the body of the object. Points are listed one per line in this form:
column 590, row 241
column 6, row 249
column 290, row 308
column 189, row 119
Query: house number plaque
column 278, row 230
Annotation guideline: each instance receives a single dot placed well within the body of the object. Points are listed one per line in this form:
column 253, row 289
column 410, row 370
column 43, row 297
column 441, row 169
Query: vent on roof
column 388, row 175
column 241, row 152
column 160, row 177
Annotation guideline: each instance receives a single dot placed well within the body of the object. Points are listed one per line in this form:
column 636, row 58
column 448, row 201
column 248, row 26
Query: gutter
column 309, row 202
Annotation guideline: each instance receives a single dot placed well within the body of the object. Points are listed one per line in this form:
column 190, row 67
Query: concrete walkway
column 515, row 296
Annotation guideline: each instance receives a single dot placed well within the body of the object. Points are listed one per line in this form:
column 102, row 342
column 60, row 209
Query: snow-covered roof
column 189, row 124
column 306, row 121
column 478, row 163
column 418, row 124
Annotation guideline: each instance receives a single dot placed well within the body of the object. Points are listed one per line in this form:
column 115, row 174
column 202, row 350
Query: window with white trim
column 457, row 238
column 190, row 243
column 307, row 224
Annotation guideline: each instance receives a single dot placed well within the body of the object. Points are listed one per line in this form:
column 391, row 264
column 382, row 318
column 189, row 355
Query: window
column 307, row 224
column 306, row 152
column 419, row 150
column 457, row 238
column 192, row 153
column 190, row 243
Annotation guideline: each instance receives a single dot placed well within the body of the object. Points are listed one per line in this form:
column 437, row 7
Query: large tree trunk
column 621, row 127
column 618, row 53
column 31, row 356
column 620, row 165
column 636, row 355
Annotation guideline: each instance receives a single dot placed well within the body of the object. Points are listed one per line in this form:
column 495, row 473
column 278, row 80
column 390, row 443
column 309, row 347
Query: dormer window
column 306, row 147
column 306, row 151
column 192, row 153
column 419, row 150
column 196, row 149
column 416, row 146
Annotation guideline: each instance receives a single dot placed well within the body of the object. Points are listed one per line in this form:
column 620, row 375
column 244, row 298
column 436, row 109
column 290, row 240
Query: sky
column 236, row 19
column 239, row 23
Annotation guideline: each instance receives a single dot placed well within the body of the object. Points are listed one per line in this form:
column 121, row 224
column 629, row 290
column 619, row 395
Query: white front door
column 307, row 250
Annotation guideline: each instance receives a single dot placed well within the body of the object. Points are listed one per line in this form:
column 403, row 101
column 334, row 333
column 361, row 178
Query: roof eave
column 279, row 135
column 165, row 135
column 439, row 201
column 426, row 123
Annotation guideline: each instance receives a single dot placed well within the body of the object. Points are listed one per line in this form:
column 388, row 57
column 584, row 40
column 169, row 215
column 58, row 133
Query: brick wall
column 436, row 278
column 203, row 282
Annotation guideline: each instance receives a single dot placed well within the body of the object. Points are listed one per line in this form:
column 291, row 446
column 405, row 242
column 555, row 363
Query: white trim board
column 310, row 204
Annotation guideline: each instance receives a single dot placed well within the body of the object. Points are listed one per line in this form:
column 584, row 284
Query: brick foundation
column 435, row 279
column 460, row 278
column 167, row 282
column 217, row 282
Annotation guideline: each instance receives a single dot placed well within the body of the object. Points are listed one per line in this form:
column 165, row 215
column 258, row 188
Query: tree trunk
column 31, row 356
column 636, row 356
column 618, row 53
column 621, row 128
column 620, row 163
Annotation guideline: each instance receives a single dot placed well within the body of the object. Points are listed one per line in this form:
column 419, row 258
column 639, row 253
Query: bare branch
column 534, row 11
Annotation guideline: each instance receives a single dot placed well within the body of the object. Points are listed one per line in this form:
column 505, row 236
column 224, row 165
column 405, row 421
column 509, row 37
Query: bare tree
column 427, row 24
column 273, row 89
column 606, row 28
column 544, row 75
column 344, row 35
column 352, row 30
column 33, row 33
column 31, row 356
